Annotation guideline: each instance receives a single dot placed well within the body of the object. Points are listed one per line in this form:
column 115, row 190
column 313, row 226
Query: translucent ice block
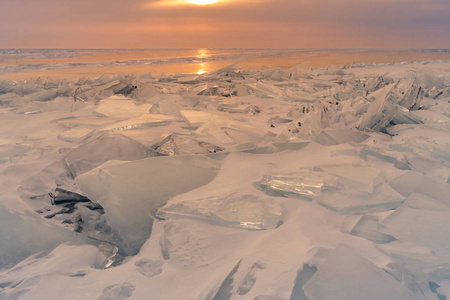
column 130, row 192
column 301, row 185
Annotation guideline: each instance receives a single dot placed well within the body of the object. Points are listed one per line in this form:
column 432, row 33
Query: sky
column 225, row 24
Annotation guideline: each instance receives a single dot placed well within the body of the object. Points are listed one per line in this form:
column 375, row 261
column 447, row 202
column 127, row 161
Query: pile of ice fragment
column 200, row 178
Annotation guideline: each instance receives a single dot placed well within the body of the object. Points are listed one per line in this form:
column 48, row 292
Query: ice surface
column 424, row 222
column 177, row 144
column 117, row 292
column 250, row 213
column 87, row 121
column 76, row 135
column 242, row 211
column 338, row 136
column 197, row 118
column 7, row 151
column 227, row 131
column 110, row 146
column 121, row 107
column 364, row 177
column 411, row 182
column 142, row 121
column 131, row 191
column 429, row 167
column 25, row 235
column 367, row 227
column 345, row 202
column 346, row 275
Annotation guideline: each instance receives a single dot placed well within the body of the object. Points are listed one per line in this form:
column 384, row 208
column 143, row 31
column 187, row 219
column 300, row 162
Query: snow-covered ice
column 305, row 184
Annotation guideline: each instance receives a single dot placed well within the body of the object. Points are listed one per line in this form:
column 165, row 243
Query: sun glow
column 202, row 2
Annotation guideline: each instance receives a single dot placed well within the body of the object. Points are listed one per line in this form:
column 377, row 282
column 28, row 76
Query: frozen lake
column 325, row 175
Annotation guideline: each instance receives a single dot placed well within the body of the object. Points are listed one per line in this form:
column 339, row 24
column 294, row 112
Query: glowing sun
column 202, row 2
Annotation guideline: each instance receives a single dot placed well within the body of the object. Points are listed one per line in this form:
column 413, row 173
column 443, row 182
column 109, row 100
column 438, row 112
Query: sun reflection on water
column 203, row 66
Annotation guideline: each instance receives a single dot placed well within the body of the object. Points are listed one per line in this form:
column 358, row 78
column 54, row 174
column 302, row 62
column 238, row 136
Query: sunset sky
column 225, row 24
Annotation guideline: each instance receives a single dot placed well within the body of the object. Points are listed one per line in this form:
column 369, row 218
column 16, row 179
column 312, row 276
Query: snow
column 305, row 184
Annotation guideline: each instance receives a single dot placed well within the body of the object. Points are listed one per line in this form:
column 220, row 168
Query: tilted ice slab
column 242, row 211
column 346, row 275
column 131, row 191
column 110, row 146
column 121, row 107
